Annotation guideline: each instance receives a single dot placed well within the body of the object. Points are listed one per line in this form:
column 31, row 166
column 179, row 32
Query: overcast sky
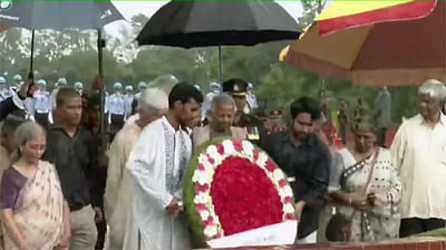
column 148, row 8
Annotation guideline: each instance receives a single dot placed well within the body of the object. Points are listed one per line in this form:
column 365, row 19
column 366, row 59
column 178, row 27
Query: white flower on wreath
column 204, row 215
column 229, row 147
column 288, row 208
column 202, row 198
column 263, row 158
column 286, row 191
column 278, row 175
column 248, row 148
column 210, row 231
column 212, row 151
column 201, row 177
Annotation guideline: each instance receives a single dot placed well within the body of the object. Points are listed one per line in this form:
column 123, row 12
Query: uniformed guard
column 251, row 100
column 237, row 88
column 141, row 86
column 5, row 92
column 17, row 83
column 79, row 86
column 61, row 82
column 215, row 90
column 40, row 109
column 115, row 108
column 128, row 100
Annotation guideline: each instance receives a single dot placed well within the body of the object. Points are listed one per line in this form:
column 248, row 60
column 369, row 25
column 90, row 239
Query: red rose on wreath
column 243, row 196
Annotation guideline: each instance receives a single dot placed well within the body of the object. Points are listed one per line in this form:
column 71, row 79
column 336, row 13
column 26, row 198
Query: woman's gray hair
column 220, row 100
column 154, row 98
column 434, row 89
column 25, row 133
column 366, row 122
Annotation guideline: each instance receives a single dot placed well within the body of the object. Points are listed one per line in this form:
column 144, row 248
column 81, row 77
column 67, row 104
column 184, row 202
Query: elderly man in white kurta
column 419, row 151
column 152, row 105
column 158, row 165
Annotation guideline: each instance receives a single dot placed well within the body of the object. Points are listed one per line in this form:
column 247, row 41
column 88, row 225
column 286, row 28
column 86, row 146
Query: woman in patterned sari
column 367, row 186
column 34, row 213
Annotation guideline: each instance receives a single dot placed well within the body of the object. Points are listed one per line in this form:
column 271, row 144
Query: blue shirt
column 128, row 101
column 115, row 104
column 41, row 103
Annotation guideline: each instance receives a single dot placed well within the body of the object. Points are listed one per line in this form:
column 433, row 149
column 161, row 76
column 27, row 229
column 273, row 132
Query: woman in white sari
column 34, row 212
column 367, row 186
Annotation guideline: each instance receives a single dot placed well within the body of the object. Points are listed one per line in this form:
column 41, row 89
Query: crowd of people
column 61, row 189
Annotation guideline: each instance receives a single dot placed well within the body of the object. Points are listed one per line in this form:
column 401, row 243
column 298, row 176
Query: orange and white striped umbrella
column 375, row 43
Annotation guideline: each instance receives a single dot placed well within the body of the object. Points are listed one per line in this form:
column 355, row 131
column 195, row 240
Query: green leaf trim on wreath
column 194, row 219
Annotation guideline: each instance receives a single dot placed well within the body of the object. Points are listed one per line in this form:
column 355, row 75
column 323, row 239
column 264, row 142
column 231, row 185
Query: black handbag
column 338, row 227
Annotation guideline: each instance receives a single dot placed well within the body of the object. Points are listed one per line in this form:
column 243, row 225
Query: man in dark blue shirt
column 305, row 159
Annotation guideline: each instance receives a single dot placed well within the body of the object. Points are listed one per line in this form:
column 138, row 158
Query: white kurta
column 158, row 164
column 419, row 153
column 118, row 190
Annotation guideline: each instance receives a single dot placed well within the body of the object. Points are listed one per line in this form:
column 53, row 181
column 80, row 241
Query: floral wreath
column 232, row 187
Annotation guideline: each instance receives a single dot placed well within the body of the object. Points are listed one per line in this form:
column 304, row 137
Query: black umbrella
column 59, row 15
column 190, row 24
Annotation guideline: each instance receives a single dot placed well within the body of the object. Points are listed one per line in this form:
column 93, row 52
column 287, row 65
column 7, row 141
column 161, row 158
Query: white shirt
column 419, row 152
column 158, row 170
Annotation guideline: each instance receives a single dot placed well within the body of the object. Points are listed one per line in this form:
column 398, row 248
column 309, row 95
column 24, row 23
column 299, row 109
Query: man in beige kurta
column 118, row 193
column 419, row 152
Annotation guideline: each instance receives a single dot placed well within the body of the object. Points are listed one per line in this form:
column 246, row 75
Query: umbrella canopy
column 379, row 54
column 190, row 24
column 348, row 14
column 59, row 15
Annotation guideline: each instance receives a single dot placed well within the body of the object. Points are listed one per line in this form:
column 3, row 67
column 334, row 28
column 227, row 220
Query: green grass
column 441, row 233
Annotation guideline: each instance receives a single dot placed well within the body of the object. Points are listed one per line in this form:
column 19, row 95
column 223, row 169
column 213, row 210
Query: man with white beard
column 152, row 105
column 158, row 163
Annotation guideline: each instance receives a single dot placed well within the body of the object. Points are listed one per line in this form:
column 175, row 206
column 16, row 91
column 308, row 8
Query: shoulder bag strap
column 372, row 168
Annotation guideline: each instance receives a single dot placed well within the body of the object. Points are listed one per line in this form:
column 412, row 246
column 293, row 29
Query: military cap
column 235, row 87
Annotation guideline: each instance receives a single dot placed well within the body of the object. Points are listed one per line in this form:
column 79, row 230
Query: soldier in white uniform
column 17, row 81
column 128, row 99
column 41, row 107
column 215, row 90
column 141, row 86
column 5, row 92
column 61, row 82
column 79, row 86
column 251, row 100
column 115, row 109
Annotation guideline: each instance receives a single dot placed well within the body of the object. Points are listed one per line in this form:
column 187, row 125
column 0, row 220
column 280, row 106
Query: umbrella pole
column 101, row 45
column 31, row 61
column 220, row 62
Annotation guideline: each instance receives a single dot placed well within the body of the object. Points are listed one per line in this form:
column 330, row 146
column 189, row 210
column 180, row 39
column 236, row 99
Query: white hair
column 25, row 133
column 434, row 89
column 155, row 98
column 220, row 100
